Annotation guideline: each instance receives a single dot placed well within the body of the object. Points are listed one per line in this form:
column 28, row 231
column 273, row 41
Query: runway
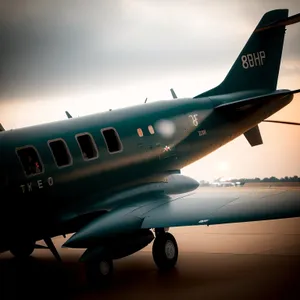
column 255, row 260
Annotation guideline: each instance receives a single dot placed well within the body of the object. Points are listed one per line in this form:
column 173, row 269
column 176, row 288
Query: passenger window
column 140, row 132
column 112, row 140
column 87, row 146
column 30, row 160
column 60, row 152
column 151, row 129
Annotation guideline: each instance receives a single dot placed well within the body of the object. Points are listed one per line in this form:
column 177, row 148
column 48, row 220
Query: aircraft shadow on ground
column 137, row 277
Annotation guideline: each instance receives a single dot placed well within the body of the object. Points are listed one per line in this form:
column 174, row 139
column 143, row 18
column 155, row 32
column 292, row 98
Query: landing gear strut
column 164, row 250
column 24, row 248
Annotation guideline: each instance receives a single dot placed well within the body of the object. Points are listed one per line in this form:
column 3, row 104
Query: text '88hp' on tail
column 257, row 66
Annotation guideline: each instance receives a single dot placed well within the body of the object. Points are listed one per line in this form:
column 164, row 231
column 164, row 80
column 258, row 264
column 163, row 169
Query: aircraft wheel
column 165, row 251
column 23, row 249
column 99, row 271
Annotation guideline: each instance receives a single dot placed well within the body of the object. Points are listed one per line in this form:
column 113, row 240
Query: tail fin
column 257, row 66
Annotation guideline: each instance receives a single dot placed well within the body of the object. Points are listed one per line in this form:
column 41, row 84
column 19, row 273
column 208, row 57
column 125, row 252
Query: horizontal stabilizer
column 253, row 102
column 287, row 21
column 253, row 136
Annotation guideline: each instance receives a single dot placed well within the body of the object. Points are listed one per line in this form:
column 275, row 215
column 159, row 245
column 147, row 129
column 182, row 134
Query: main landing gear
column 164, row 251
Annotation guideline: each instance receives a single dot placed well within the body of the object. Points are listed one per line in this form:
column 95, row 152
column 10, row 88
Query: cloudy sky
column 89, row 56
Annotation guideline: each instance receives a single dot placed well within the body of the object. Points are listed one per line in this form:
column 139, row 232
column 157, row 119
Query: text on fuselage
column 33, row 185
column 202, row 132
column 255, row 59
column 194, row 119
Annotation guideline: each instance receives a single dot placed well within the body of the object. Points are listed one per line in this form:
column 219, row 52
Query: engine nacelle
column 179, row 184
column 119, row 247
column 121, row 221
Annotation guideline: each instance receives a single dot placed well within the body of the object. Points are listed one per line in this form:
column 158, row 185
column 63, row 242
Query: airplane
column 222, row 182
column 239, row 183
column 112, row 181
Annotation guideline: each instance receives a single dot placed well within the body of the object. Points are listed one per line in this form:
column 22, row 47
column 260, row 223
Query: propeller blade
column 282, row 122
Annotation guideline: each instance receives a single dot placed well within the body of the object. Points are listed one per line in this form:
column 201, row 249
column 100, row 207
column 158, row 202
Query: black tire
column 100, row 271
column 23, row 249
column 165, row 251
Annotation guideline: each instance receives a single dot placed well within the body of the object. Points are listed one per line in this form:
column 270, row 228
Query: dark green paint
column 83, row 191
column 255, row 78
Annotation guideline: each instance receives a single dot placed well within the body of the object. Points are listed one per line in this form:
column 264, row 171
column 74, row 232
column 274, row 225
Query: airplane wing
column 205, row 207
column 225, row 206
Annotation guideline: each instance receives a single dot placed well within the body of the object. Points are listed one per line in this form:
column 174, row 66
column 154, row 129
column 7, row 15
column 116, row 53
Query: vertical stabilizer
column 257, row 66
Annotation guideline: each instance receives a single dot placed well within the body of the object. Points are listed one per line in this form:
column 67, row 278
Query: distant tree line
column 269, row 179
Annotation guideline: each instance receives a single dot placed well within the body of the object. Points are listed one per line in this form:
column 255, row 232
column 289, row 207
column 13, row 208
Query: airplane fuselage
column 155, row 140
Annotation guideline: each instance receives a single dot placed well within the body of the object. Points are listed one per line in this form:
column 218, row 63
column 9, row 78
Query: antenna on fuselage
column 68, row 115
column 1, row 127
column 146, row 100
column 173, row 94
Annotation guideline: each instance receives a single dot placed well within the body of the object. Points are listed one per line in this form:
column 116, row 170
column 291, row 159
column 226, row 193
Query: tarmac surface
column 255, row 260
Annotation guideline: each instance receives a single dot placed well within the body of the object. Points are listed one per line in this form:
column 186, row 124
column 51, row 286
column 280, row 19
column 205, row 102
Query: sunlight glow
column 223, row 166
